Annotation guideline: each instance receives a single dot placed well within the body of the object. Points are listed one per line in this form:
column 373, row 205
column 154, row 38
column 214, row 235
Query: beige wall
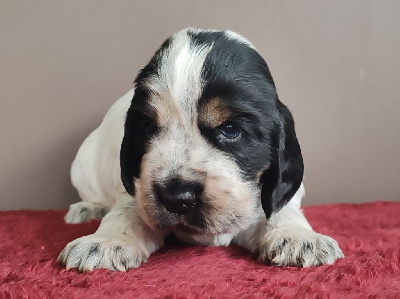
column 336, row 65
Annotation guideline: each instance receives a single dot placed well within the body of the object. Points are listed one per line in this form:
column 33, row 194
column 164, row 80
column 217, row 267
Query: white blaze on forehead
column 178, row 84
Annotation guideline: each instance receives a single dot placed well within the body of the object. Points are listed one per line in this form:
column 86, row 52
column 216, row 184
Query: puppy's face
column 207, row 141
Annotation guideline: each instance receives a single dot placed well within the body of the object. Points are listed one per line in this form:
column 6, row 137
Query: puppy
column 201, row 148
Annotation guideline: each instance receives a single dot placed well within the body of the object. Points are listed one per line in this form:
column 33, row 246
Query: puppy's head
column 207, row 142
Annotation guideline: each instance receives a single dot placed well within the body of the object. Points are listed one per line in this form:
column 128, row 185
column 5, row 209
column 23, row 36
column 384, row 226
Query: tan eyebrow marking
column 213, row 112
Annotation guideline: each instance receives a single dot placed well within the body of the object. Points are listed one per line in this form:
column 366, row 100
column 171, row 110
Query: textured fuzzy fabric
column 369, row 235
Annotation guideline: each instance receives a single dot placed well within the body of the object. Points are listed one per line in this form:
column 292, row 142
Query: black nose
column 179, row 196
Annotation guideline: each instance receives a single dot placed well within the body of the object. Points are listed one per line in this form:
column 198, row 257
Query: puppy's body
column 95, row 172
column 208, row 153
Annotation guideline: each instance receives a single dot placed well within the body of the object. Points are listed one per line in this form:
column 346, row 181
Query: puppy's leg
column 290, row 241
column 121, row 242
column 287, row 239
column 85, row 211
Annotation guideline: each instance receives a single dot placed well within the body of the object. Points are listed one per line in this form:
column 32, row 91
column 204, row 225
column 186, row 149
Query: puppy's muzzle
column 179, row 196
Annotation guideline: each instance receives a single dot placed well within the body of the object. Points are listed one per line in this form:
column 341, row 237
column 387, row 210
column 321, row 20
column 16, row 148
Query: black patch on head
column 238, row 75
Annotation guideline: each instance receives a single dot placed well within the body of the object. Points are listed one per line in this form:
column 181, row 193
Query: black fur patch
column 236, row 73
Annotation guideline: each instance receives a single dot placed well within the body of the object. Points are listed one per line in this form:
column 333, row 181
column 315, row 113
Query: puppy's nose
column 179, row 196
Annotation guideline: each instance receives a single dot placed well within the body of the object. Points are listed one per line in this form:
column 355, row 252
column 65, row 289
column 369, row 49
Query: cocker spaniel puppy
column 201, row 148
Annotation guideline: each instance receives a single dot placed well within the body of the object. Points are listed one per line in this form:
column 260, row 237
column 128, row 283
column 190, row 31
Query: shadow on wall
column 44, row 181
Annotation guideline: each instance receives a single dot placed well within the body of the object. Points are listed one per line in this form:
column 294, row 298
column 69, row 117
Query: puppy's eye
column 228, row 131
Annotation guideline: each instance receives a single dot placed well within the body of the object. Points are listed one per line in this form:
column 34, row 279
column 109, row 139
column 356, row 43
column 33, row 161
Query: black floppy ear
column 128, row 159
column 130, row 156
column 285, row 173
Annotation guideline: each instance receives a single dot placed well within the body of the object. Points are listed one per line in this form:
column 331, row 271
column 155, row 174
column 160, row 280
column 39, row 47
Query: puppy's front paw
column 298, row 247
column 99, row 252
column 85, row 211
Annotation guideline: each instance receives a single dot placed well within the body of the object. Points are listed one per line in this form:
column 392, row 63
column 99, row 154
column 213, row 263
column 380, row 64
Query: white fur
column 179, row 79
column 95, row 172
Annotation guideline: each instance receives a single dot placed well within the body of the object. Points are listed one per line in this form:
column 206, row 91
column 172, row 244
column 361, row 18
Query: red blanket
column 369, row 235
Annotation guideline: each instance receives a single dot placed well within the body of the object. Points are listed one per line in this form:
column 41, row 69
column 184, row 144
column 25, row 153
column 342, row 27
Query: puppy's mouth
column 193, row 222
column 185, row 229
